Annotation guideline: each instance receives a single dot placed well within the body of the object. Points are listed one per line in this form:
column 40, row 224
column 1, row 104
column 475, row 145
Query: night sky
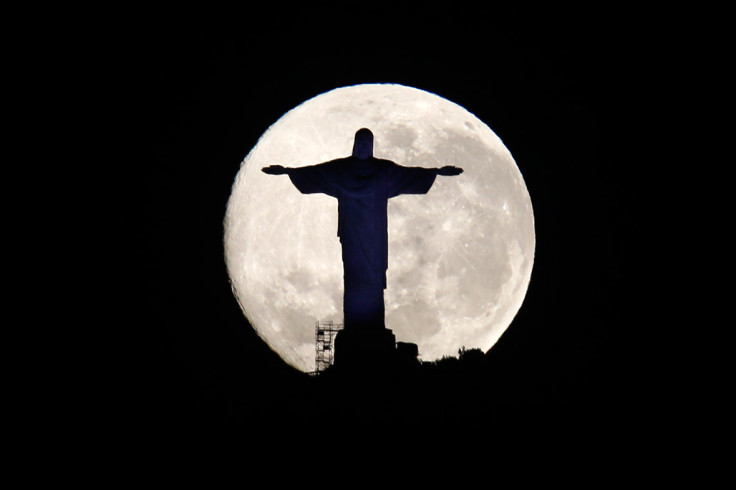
column 562, row 89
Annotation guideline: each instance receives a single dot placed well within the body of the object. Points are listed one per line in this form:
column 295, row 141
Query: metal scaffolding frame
column 325, row 333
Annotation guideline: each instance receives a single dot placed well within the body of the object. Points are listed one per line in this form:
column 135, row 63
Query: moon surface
column 460, row 256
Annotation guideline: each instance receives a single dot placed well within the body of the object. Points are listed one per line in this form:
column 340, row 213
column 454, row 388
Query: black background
column 568, row 92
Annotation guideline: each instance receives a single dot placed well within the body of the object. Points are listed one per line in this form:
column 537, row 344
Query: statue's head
column 363, row 145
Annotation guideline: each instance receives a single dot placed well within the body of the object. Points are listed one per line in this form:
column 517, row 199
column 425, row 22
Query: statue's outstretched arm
column 310, row 179
column 449, row 170
column 275, row 170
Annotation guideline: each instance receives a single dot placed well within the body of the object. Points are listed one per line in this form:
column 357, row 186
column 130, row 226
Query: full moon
column 460, row 256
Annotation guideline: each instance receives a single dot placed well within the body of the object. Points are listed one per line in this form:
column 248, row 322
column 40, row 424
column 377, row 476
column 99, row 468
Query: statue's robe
column 362, row 188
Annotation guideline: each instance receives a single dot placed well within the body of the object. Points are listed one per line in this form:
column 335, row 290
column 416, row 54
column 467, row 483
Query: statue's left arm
column 449, row 170
column 416, row 180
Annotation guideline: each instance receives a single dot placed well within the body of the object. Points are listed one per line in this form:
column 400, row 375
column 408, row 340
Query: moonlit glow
column 460, row 257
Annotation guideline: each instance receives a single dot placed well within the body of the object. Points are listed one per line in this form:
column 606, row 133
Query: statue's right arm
column 275, row 170
column 309, row 179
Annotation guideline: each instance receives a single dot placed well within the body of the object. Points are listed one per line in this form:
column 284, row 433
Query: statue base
column 364, row 349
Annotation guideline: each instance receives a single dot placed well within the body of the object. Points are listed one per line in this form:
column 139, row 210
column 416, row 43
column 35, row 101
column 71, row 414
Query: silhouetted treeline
column 465, row 358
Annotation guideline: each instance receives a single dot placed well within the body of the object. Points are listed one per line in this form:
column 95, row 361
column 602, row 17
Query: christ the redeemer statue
column 363, row 185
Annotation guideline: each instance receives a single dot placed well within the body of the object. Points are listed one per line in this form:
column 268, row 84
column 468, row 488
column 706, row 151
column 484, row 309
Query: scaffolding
column 325, row 333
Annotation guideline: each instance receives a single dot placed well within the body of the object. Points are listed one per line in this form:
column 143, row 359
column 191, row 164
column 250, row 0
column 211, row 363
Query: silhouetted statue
column 363, row 185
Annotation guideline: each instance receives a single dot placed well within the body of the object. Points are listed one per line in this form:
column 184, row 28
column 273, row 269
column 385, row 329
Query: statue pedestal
column 364, row 349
